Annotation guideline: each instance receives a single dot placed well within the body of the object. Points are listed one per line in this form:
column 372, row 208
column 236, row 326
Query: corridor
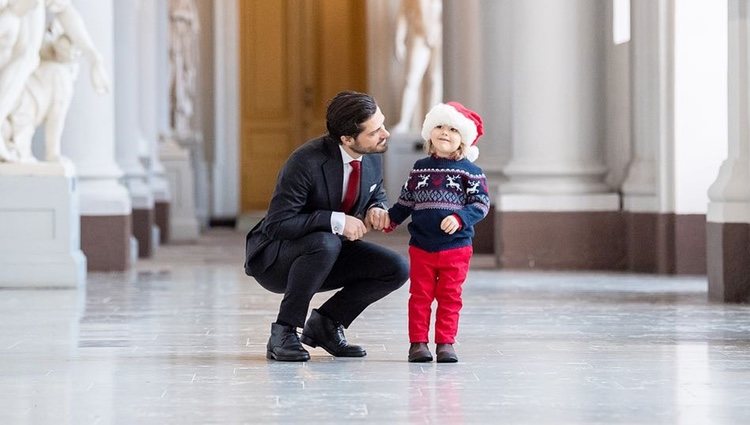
column 180, row 339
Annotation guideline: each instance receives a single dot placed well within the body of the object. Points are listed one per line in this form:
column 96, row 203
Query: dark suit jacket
column 309, row 188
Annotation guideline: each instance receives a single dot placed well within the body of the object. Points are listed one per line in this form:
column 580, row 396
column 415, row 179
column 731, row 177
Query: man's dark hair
column 347, row 111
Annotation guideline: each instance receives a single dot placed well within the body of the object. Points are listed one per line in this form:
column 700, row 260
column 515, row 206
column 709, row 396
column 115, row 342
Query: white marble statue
column 184, row 29
column 19, row 56
column 419, row 40
column 22, row 30
column 46, row 97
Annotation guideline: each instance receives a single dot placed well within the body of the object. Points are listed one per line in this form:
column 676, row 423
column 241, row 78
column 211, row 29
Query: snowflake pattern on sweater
column 436, row 188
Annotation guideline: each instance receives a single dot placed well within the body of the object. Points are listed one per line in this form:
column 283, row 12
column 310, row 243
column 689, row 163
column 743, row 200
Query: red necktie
column 352, row 188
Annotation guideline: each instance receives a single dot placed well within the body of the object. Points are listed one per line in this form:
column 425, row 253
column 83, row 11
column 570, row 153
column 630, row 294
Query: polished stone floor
column 181, row 338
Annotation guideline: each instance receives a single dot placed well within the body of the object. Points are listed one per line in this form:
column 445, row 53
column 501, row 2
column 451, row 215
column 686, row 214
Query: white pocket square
column 372, row 187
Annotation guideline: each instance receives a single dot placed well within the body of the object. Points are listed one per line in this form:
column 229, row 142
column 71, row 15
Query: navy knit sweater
column 436, row 188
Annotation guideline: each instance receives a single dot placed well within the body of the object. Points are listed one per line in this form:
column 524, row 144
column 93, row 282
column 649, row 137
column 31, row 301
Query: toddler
column 446, row 195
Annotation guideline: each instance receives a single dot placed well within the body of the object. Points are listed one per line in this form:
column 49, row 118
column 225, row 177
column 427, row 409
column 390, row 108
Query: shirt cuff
column 338, row 220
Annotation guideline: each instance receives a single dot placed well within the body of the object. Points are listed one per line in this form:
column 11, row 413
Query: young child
column 445, row 194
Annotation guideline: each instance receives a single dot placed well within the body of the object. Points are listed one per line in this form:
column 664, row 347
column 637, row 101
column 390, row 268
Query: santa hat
column 467, row 122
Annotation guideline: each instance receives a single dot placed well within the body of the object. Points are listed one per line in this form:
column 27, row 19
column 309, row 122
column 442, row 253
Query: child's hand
column 449, row 225
column 378, row 218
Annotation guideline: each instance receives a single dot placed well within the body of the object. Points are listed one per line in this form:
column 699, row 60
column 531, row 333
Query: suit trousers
column 363, row 273
column 436, row 276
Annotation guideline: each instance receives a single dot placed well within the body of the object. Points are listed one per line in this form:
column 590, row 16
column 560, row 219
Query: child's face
column 445, row 140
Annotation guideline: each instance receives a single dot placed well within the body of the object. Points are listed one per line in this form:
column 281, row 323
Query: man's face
column 373, row 139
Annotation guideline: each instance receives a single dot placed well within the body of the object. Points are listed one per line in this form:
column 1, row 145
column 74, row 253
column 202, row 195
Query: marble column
column 149, row 55
column 645, row 192
column 649, row 51
column 728, row 218
column 556, row 171
column 476, row 34
column 129, row 139
column 225, row 184
column 89, row 141
column 183, row 222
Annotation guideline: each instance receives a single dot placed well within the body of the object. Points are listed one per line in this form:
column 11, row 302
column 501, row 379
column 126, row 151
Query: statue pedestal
column 40, row 226
column 183, row 223
column 404, row 149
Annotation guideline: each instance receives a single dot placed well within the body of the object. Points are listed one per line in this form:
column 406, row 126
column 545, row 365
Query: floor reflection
column 181, row 339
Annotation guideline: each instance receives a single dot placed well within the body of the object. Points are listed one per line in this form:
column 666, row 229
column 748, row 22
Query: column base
column 728, row 262
column 484, row 234
column 143, row 222
column 560, row 232
column 184, row 229
column 161, row 219
column 105, row 239
column 184, row 225
column 560, row 240
column 666, row 243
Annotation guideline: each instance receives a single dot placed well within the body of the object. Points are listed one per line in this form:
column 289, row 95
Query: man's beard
column 379, row 148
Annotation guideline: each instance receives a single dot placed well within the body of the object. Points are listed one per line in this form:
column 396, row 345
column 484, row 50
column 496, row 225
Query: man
column 310, row 240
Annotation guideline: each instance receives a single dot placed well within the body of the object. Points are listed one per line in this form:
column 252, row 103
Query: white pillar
column 161, row 44
column 728, row 227
column 651, row 114
column 556, row 171
column 150, row 98
column 463, row 61
column 129, row 140
column 476, row 64
column 493, row 82
column 89, row 141
column 730, row 193
column 557, row 98
column 225, row 184
column 183, row 223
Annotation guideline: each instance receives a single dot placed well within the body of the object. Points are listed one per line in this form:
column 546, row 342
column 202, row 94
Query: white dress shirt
column 338, row 219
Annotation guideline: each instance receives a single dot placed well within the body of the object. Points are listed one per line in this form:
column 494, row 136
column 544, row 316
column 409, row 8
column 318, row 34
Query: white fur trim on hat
column 443, row 114
column 472, row 153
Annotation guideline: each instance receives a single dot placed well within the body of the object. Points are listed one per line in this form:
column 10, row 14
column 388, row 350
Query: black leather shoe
column 419, row 353
column 329, row 335
column 446, row 353
column 284, row 345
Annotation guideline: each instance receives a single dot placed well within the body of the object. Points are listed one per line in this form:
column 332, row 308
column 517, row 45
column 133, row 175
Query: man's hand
column 377, row 218
column 449, row 225
column 354, row 229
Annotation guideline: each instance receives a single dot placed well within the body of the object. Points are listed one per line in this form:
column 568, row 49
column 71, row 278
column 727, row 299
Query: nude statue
column 419, row 40
column 23, row 34
column 183, row 54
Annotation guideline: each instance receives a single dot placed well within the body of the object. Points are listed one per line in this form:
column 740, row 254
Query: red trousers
column 436, row 276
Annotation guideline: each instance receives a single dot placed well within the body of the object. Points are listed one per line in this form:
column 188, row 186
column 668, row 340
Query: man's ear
column 345, row 139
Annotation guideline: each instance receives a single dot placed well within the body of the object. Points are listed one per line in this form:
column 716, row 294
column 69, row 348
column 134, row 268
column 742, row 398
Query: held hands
column 449, row 225
column 377, row 218
column 355, row 229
